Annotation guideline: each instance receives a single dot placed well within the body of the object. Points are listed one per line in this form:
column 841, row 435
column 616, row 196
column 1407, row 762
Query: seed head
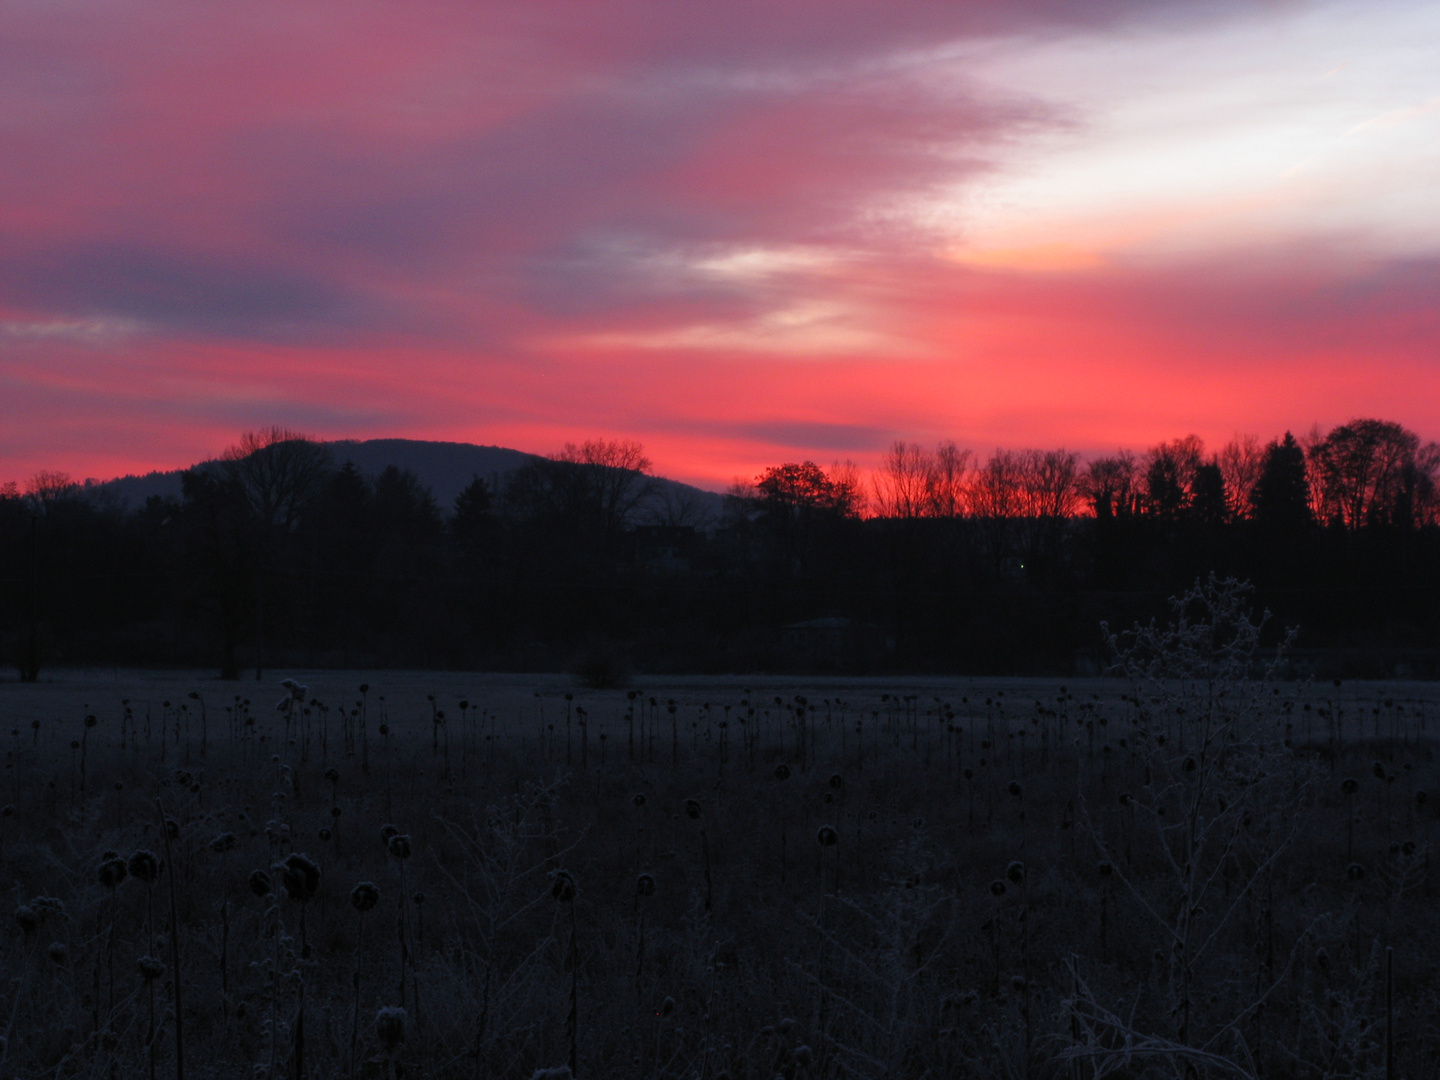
column 1015, row 872
column 223, row 843
column 364, row 896
column 692, row 809
column 301, row 878
column 387, row 831
column 390, row 1027
column 837, row 781
column 782, row 771
column 112, row 871
column 58, row 953
column 1015, row 789
column 827, row 836
column 27, row 918
column 1354, row 872
column 325, row 835
column 260, row 883
column 399, row 846
column 1350, row 785
column 150, row 968
column 562, row 886
column 144, row 866
column 638, row 798
column 997, row 888
column 645, row 885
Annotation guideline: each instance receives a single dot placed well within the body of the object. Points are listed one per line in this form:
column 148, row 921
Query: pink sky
column 740, row 233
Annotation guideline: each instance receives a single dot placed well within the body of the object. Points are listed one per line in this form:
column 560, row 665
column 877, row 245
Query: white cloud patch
column 97, row 331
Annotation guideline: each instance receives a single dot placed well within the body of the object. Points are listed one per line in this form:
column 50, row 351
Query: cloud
column 731, row 230
column 184, row 290
column 816, row 435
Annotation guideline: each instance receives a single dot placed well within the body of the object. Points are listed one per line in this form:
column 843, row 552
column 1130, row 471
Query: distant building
column 665, row 548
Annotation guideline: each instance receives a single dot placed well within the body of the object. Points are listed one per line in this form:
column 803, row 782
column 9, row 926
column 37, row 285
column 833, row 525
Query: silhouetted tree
column 587, row 494
column 949, row 475
column 1369, row 472
column 800, row 503
column 1208, row 502
column 1111, row 486
column 1241, row 461
column 402, row 508
column 473, row 523
column 905, row 481
column 613, row 481
column 222, row 554
column 1170, row 475
column 1280, row 501
column 279, row 472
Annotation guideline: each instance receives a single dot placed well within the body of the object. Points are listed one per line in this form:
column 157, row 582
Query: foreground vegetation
column 1191, row 869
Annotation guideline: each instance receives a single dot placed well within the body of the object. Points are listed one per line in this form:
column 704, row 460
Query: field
column 709, row 878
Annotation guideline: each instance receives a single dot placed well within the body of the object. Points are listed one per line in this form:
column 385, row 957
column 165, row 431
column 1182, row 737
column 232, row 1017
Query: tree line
column 1363, row 473
column 278, row 555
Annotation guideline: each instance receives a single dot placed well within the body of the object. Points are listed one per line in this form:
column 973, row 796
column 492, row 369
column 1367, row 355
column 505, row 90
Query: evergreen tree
column 1281, row 499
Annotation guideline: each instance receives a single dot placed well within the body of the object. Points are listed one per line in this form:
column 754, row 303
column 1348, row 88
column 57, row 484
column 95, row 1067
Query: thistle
column 363, row 899
column 111, row 873
column 390, row 1030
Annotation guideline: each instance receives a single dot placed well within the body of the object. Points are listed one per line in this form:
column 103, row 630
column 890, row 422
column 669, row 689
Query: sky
column 741, row 233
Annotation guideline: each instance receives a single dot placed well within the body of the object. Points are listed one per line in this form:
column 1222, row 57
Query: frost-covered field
column 702, row 877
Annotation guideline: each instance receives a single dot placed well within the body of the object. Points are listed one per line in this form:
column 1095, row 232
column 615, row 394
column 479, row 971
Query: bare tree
column 948, row 476
column 1365, row 473
column 1425, row 500
column 850, row 500
column 47, row 487
column 678, row 505
column 613, row 477
column 905, row 481
column 997, row 489
column 1241, row 462
column 1112, row 486
column 1170, row 475
column 278, row 471
column 1051, row 481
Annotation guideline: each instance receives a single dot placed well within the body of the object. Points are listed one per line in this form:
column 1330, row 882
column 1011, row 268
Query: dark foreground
column 718, row 877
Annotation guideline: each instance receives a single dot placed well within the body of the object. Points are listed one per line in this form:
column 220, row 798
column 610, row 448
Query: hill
column 444, row 467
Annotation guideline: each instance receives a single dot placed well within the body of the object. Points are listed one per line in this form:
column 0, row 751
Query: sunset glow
column 739, row 233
